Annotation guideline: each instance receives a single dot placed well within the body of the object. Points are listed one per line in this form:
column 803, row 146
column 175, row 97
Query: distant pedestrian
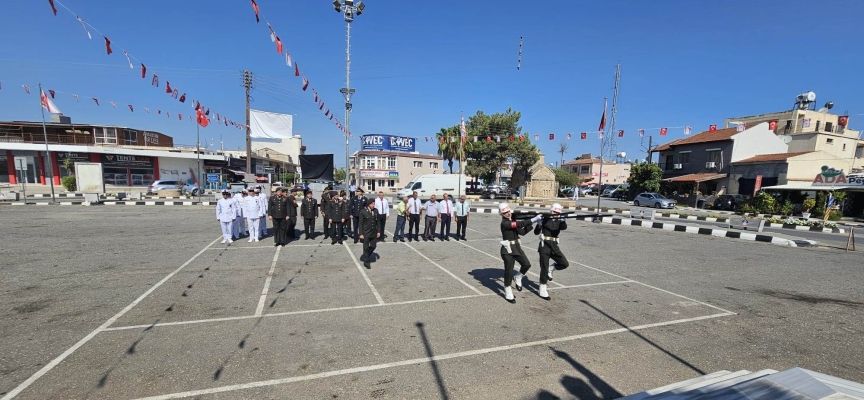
column 383, row 207
column 292, row 216
column 445, row 208
column 369, row 232
column 576, row 193
column 461, row 208
column 401, row 218
column 226, row 213
column 432, row 218
column 415, row 207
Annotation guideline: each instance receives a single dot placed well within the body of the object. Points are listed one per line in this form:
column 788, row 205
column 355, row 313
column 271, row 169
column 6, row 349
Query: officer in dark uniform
column 325, row 209
column 292, row 215
column 309, row 212
column 278, row 210
column 337, row 213
column 511, row 250
column 549, row 229
column 369, row 232
column 357, row 204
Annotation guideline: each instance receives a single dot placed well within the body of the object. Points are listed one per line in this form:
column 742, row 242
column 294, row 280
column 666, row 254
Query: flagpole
column 198, row 153
column 461, row 148
column 47, row 153
column 600, row 175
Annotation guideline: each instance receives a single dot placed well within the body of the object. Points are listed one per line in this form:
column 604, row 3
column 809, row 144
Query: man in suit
column 309, row 211
column 337, row 212
column 383, row 208
column 292, row 216
column 325, row 208
column 277, row 210
column 415, row 207
column 369, row 232
column 356, row 206
column 445, row 206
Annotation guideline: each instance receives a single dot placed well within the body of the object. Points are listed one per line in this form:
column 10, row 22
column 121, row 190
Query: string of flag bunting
column 154, row 78
column 292, row 62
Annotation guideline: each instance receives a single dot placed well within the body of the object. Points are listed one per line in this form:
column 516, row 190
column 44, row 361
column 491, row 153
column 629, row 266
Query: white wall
column 290, row 147
column 180, row 169
column 755, row 141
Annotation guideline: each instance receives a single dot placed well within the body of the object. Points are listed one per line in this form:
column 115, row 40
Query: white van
column 427, row 185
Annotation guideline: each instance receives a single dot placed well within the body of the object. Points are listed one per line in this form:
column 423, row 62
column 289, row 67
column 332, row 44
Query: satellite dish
column 823, row 110
column 622, row 154
column 829, row 105
column 811, row 96
column 787, row 139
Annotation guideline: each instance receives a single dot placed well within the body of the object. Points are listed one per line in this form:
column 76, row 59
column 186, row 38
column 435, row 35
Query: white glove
column 537, row 218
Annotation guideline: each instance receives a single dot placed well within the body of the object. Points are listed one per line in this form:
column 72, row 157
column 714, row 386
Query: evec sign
column 386, row 142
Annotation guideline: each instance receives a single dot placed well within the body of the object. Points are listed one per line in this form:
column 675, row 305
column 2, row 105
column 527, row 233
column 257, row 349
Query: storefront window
column 104, row 135
column 115, row 176
column 130, row 138
column 4, row 169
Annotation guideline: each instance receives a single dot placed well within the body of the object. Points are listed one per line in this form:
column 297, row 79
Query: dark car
column 513, row 194
column 729, row 202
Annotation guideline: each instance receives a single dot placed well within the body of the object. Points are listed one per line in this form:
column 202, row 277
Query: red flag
column 843, row 120
column 662, row 131
column 712, row 128
column 278, row 45
column 488, row 139
column 26, row 88
column 49, row 105
column 95, row 100
column 511, row 138
column 321, row 107
column 331, row 116
column 207, row 112
column 108, row 45
column 51, row 92
column 296, row 69
column 180, row 116
column 54, row 9
column 131, row 109
column 772, row 125
column 316, row 95
column 551, row 136
column 305, row 83
column 521, row 138
column 584, row 136
column 143, row 71
column 183, row 98
column 167, row 87
column 603, row 119
column 255, row 7
column 621, row 133
column 202, row 119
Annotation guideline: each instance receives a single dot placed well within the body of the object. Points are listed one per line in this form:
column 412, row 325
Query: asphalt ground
column 139, row 302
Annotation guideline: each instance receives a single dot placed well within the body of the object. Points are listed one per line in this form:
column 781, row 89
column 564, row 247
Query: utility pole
column 650, row 142
column 247, row 83
column 349, row 9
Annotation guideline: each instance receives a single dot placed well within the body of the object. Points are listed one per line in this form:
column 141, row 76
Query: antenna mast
column 611, row 146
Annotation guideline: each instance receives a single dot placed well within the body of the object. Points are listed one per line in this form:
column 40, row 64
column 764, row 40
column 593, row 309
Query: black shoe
column 278, row 244
column 332, row 243
column 356, row 240
column 447, row 238
column 395, row 240
column 367, row 265
column 513, row 301
column 402, row 240
column 307, row 237
column 340, row 242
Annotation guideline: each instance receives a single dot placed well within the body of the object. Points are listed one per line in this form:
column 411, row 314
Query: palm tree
column 564, row 146
column 449, row 148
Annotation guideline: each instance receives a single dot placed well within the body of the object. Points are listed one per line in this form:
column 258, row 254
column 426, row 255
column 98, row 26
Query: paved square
column 146, row 303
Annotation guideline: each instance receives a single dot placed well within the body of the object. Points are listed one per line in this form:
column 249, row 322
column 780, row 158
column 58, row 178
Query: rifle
column 517, row 215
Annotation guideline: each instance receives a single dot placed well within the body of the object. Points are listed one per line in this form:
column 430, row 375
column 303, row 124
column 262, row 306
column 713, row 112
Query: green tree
column 449, row 144
column 339, row 175
column 566, row 178
column 645, row 178
column 498, row 142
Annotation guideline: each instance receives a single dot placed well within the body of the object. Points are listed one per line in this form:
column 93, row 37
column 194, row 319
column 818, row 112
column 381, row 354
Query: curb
column 121, row 203
column 705, row 231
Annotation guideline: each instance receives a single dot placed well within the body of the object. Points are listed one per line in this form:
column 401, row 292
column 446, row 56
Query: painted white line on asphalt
column 362, row 272
column 267, row 281
column 499, row 258
column 423, row 360
column 323, row 310
column 444, row 269
column 656, row 288
column 48, row 367
column 474, row 230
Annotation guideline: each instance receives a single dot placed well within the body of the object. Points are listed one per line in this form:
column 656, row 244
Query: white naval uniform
column 240, row 222
column 226, row 212
column 262, row 222
column 252, row 211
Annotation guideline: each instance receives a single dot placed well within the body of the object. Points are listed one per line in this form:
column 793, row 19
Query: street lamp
column 349, row 9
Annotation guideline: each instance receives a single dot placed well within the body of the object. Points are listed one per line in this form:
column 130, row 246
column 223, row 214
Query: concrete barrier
column 642, row 213
column 165, row 193
column 747, row 224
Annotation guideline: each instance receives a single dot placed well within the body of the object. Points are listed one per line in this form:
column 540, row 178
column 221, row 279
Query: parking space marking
column 48, row 367
column 266, row 289
column 423, row 360
column 362, row 272
column 444, row 269
column 499, row 258
column 474, row 230
column 656, row 288
column 348, row 308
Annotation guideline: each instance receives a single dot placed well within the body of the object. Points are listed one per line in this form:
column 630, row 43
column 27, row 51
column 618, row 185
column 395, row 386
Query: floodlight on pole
column 348, row 8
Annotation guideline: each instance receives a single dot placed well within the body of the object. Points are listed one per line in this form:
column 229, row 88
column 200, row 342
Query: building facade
column 588, row 169
column 387, row 163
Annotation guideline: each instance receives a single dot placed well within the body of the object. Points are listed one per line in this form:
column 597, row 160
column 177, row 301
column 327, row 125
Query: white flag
column 687, row 130
column 49, row 105
column 741, row 127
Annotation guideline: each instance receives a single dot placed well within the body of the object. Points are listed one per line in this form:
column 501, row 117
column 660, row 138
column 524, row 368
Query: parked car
column 501, row 194
column 191, row 189
column 729, row 202
column 156, row 186
column 586, row 190
column 656, row 200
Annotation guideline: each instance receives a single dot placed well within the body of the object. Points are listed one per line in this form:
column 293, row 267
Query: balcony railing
column 52, row 138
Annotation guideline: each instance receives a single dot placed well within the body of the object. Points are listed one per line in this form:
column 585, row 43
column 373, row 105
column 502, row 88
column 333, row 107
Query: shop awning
column 237, row 171
column 695, row 178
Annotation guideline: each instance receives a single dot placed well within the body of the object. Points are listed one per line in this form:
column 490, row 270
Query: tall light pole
column 349, row 9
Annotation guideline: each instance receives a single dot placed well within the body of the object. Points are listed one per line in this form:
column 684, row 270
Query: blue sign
column 386, row 142
column 213, row 178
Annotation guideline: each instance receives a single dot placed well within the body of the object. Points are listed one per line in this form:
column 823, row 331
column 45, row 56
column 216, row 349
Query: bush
column 764, row 203
column 808, row 204
column 787, row 208
column 69, row 183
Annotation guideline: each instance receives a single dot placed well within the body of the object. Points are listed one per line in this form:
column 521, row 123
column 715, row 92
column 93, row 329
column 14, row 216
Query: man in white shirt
column 432, row 218
column 383, row 207
column 415, row 207
column 461, row 209
column 445, row 208
column 226, row 213
column 262, row 219
column 252, row 211
column 240, row 228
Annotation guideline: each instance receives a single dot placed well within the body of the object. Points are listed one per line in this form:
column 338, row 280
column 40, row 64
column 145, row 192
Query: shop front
column 61, row 157
column 126, row 170
column 378, row 180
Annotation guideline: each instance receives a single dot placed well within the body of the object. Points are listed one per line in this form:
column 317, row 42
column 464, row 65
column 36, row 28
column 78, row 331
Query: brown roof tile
column 696, row 177
column 770, row 157
column 703, row 137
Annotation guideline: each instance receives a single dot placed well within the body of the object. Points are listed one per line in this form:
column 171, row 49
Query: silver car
column 156, row 186
column 656, row 200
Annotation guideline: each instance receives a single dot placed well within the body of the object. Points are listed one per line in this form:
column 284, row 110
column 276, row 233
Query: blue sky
column 416, row 65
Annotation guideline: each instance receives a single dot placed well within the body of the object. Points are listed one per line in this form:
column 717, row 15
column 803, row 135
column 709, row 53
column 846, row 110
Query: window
column 670, row 161
column 788, row 127
column 370, row 162
column 391, row 183
column 391, row 162
column 844, row 146
column 369, row 183
column 714, row 156
column 433, row 165
column 418, row 164
column 818, row 123
column 381, row 183
column 130, row 138
column 685, row 158
column 104, row 135
column 584, row 169
column 829, row 141
column 829, row 127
